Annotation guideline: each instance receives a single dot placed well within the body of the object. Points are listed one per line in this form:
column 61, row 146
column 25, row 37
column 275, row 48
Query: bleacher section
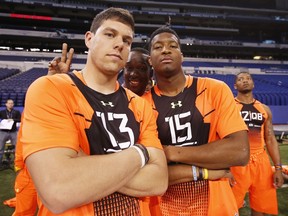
column 271, row 86
column 269, row 89
column 16, row 85
column 6, row 72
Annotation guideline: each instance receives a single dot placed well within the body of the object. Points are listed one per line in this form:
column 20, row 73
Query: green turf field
column 7, row 181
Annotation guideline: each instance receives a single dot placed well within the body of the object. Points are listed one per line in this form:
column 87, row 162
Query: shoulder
column 50, row 82
column 210, row 82
column 134, row 98
column 267, row 109
column 262, row 105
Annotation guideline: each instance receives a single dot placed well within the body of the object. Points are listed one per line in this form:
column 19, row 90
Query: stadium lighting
column 4, row 48
column 34, row 49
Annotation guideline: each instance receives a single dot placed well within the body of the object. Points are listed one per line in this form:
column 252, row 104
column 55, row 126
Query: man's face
column 109, row 46
column 165, row 54
column 137, row 72
column 244, row 83
column 9, row 104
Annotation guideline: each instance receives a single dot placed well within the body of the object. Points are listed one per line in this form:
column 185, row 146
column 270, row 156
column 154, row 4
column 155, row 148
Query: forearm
column 151, row 180
column 179, row 173
column 71, row 181
column 221, row 154
column 273, row 151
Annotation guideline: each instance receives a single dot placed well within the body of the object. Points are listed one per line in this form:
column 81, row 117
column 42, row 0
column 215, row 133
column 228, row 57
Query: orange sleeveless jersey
column 216, row 104
column 57, row 115
column 257, row 176
column 255, row 116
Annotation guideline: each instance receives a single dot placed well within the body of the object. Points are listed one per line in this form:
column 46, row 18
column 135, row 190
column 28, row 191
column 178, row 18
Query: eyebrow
column 116, row 31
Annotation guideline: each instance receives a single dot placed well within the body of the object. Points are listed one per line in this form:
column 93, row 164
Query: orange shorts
column 257, row 179
column 26, row 196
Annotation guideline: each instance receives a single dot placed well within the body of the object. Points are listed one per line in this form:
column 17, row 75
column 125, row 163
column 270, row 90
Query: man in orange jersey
column 257, row 177
column 88, row 111
column 200, row 127
column 26, row 195
column 137, row 73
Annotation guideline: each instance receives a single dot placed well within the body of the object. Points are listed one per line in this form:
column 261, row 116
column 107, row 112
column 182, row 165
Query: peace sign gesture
column 61, row 64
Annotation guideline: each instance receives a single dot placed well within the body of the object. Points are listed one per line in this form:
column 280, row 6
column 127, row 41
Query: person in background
column 103, row 138
column 201, row 130
column 10, row 114
column 257, row 176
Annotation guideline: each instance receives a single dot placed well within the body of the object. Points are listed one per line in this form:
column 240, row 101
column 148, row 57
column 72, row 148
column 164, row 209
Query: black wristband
column 200, row 173
column 144, row 151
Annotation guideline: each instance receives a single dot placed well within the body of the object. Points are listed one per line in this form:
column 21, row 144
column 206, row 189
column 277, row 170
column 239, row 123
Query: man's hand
column 61, row 65
column 278, row 179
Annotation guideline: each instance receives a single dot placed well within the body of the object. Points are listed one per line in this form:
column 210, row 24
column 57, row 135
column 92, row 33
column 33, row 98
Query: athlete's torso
column 254, row 115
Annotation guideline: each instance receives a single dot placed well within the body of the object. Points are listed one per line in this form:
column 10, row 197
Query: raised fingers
column 64, row 52
column 69, row 57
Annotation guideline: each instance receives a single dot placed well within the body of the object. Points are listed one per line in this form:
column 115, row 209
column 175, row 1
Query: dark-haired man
column 200, row 127
column 88, row 111
column 257, row 176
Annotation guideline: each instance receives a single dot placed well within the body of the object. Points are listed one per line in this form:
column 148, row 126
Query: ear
column 149, row 60
column 88, row 37
column 235, row 87
column 182, row 57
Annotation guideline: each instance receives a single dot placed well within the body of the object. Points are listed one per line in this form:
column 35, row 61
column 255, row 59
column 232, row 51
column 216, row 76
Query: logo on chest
column 107, row 103
column 174, row 105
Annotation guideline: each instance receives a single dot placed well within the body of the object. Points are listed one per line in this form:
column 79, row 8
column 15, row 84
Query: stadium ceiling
column 206, row 28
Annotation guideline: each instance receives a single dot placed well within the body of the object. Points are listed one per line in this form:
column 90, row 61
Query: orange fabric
column 18, row 161
column 224, row 119
column 60, row 127
column 10, row 202
column 26, row 195
column 150, row 206
column 257, row 179
column 144, row 206
column 256, row 138
column 220, row 199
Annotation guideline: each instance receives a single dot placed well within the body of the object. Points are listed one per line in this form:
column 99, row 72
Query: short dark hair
column 160, row 30
column 241, row 72
column 140, row 49
column 118, row 14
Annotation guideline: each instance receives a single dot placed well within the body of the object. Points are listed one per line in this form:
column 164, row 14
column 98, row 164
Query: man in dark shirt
column 8, row 134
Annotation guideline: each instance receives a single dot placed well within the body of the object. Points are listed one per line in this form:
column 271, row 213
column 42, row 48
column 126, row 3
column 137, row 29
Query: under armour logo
column 173, row 105
column 107, row 104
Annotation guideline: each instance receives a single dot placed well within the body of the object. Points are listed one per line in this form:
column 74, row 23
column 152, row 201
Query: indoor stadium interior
column 219, row 39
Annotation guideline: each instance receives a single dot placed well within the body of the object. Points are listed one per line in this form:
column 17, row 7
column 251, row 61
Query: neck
column 246, row 98
column 171, row 86
column 99, row 82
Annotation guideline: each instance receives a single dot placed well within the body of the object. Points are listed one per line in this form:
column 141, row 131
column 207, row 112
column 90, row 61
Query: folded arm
column 152, row 179
column 64, row 180
column 233, row 150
